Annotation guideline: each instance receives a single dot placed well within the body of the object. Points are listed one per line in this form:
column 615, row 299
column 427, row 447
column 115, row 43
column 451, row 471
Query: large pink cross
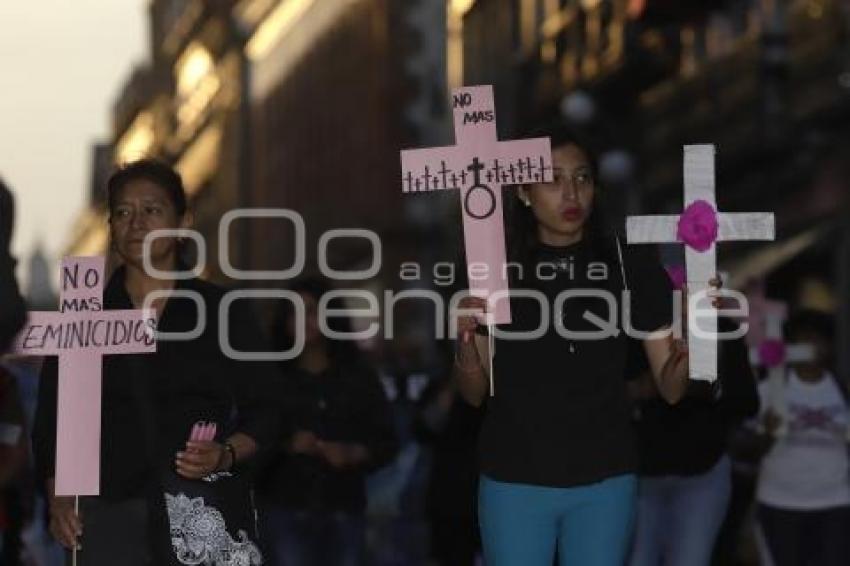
column 478, row 166
column 80, row 334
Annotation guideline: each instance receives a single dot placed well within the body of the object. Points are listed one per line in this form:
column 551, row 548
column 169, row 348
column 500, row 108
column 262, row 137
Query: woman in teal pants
column 557, row 452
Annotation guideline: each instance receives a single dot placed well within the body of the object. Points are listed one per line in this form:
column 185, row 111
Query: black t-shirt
column 560, row 414
column 341, row 404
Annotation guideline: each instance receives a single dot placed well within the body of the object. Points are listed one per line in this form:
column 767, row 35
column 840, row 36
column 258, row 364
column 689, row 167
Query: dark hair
column 810, row 321
column 522, row 224
column 341, row 352
column 7, row 216
column 153, row 170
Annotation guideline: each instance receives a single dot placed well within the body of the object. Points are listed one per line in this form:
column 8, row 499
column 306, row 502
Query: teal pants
column 591, row 525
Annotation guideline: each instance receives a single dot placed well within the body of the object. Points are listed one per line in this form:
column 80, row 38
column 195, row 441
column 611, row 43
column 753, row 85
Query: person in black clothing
column 450, row 427
column 12, row 449
column 163, row 498
column 337, row 428
column 685, row 472
column 557, row 451
column 12, row 307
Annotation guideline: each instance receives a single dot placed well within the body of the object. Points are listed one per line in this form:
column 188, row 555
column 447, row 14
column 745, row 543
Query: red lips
column 571, row 214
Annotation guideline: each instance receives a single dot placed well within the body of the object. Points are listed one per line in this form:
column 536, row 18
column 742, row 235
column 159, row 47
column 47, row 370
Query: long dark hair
column 342, row 353
column 522, row 239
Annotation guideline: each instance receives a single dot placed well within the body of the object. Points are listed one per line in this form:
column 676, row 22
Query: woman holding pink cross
column 179, row 427
column 557, row 451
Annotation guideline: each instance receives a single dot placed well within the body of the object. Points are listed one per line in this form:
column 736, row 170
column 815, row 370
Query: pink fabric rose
column 677, row 275
column 772, row 353
column 698, row 226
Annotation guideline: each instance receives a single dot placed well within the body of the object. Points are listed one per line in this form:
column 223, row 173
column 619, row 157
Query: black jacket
column 342, row 404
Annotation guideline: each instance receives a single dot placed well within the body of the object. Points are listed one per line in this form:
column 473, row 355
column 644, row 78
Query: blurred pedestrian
column 450, row 426
column 13, row 445
column 397, row 528
column 685, row 472
column 803, row 489
column 337, row 428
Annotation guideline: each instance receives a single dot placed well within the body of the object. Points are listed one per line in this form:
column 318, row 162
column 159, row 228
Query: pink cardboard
column 80, row 335
column 478, row 166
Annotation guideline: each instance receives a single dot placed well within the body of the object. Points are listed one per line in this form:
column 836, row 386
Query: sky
column 62, row 64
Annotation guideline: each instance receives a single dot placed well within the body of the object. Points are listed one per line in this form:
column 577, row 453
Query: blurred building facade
column 289, row 104
column 181, row 106
column 326, row 128
column 765, row 80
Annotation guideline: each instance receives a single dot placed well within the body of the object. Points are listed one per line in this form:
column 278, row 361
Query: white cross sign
column 699, row 227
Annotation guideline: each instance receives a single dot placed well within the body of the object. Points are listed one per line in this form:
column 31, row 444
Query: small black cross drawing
column 409, row 179
column 543, row 167
column 427, row 176
column 497, row 168
column 444, row 172
column 476, row 167
column 530, row 168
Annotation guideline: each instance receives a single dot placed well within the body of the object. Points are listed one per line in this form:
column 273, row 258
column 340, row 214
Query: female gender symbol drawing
column 476, row 167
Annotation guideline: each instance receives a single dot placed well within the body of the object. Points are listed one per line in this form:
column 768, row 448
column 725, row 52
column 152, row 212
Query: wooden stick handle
column 77, row 513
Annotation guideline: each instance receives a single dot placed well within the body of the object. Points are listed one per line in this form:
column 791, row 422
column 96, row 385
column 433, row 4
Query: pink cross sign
column 478, row 166
column 80, row 334
column 699, row 228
